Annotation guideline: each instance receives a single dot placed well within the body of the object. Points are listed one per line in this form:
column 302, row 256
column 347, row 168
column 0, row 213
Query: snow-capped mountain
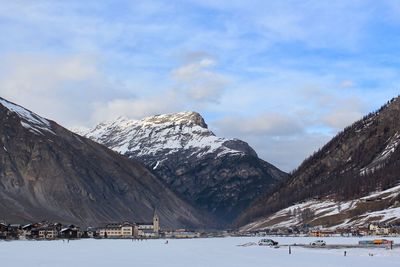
column 50, row 173
column 217, row 174
column 165, row 135
column 354, row 179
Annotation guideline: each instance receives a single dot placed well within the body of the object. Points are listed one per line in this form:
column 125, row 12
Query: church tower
column 156, row 222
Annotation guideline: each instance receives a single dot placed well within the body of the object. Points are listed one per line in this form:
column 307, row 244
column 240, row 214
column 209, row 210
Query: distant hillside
column 363, row 159
column 50, row 173
column 219, row 175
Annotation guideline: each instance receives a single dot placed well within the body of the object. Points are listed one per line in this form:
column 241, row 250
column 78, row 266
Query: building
column 128, row 230
column 70, row 232
column 322, row 233
column 43, row 230
column 3, row 230
column 26, row 230
column 145, row 229
column 47, row 232
column 90, row 232
column 182, row 233
column 376, row 229
column 156, row 222
column 149, row 229
column 14, row 231
column 112, row 230
column 119, row 230
column 3, row 227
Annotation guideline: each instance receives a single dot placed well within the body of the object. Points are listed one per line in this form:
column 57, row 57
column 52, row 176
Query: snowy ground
column 221, row 252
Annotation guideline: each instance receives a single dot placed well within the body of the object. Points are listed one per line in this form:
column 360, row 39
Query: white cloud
column 289, row 115
column 279, row 139
column 195, row 86
column 52, row 86
column 265, row 124
column 288, row 153
column 346, row 84
column 61, row 88
column 26, row 73
column 334, row 108
column 319, row 24
column 344, row 112
column 282, row 75
column 198, row 81
column 136, row 108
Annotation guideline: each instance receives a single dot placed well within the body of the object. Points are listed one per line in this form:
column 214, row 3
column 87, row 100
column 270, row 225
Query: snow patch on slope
column 31, row 121
column 391, row 146
column 289, row 217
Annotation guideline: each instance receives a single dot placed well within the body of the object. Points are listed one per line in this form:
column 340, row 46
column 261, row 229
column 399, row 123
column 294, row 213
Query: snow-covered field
column 219, row 252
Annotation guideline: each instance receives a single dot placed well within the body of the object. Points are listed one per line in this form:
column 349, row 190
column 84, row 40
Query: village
column 124, row 230
column 372, row 229
column 151, row 230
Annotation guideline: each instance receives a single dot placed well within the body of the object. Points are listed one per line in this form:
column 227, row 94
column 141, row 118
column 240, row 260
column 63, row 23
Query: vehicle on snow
column 267, row 242
column 318, row 243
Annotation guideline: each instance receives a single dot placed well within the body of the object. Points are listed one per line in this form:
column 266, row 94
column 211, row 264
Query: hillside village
column 122, row 230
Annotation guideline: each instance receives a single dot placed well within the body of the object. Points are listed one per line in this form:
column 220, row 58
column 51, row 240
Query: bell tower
column 156, row 222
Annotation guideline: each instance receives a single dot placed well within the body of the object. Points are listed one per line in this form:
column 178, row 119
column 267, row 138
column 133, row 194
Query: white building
column 149, row 229
column 375, row 229
column 118, row 230
column 130, row 230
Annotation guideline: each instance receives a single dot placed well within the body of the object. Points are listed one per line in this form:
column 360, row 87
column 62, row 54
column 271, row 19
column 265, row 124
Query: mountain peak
column 186, row 117
column 166, row 133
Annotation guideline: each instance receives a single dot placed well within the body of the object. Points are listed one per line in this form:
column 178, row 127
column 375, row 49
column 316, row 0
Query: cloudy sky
column 285, row 76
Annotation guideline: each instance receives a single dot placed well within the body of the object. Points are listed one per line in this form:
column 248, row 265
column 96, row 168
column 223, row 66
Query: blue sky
column 285, row 76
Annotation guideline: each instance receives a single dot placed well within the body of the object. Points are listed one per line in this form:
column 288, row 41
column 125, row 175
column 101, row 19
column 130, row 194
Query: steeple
column 156, row 222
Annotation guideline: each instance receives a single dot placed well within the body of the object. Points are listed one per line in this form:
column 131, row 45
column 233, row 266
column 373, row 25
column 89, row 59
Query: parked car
column 267, row 242
column 318, row 243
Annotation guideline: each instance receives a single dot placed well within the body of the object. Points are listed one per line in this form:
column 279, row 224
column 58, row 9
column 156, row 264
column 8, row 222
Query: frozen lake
column 219, row 252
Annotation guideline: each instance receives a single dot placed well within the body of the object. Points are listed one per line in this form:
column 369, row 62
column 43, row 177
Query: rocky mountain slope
column 378, row 207
column 221, row 176
column 362, row 160
column 50, row 173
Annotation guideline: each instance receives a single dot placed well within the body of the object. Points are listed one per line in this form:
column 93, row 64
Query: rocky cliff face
column 50, row 173
column 363, row 159
column 221, row 176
